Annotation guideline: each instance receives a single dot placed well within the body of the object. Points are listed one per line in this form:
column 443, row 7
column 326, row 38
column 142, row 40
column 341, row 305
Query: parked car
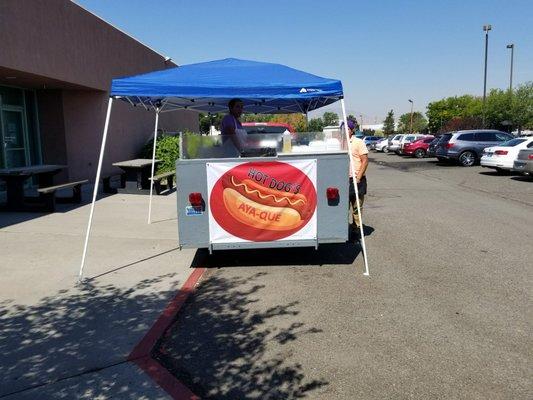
column 382, row 145
column 418, row 148
column 433, row 147
column 267, row 127
column 408, row 139
column 370, row 141
column 524, row 162
column 466, row 147
column 394, row 143
column 501, row 157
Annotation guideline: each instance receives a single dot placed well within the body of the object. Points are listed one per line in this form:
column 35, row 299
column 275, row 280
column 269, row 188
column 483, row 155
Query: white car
column 501, row 157
column 394, row 144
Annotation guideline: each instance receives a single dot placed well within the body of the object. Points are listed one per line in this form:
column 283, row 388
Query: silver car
column 524, row 162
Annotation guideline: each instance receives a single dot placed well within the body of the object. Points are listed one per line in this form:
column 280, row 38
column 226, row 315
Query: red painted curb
column 160, row 375
column 141, row 356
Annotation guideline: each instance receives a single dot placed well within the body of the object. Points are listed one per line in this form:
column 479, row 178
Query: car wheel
column 420, row 153
column 467, row 158
column 385, row 149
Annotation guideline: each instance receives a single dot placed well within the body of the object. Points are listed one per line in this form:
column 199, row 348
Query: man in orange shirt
column 359, row 154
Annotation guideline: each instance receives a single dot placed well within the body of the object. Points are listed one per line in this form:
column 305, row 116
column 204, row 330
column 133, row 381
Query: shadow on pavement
column 9, row 218
column 224, row 346
column 74, row 334
column 496, row 173
column 343, row 253
column 523, row 178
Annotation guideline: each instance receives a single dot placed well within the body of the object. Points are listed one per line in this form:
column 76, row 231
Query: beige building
column 57, row 61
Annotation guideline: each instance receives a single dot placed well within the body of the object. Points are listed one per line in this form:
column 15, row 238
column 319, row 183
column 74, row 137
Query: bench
column 169, row 176
column 108, row 188
column 48, row 194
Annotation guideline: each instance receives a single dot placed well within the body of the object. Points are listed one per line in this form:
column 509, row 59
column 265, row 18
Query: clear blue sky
column 385, row 52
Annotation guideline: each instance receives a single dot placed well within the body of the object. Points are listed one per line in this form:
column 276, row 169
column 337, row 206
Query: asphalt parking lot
column 445, row 313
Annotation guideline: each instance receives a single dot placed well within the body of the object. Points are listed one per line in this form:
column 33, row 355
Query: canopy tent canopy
column 264, row 88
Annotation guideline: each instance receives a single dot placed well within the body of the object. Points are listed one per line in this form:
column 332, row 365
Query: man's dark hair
column 232, row 103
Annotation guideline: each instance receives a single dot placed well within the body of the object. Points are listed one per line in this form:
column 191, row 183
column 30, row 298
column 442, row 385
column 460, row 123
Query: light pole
column 361, row 117
column 411, row 128
column 486, row 29
column 511, row 46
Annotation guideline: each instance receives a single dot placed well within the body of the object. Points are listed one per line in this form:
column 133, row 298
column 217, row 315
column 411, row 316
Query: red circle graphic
column 263, row 201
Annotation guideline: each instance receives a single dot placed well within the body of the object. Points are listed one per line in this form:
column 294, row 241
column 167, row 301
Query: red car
column 418, row 148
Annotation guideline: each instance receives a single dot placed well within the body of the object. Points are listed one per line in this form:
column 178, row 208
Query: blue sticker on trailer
column 191, row 211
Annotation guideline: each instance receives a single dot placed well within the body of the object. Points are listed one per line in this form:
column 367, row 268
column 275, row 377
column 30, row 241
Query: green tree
column 388, row 124
column 330, row 118
column 522, row 106
column 315, row 125
column 441, row 112
column 206, row 120
column 420, row 123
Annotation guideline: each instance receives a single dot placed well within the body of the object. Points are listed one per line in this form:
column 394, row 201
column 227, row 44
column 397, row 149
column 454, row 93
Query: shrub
column 167, row 150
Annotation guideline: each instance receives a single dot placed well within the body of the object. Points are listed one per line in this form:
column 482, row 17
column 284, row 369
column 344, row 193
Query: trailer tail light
column 196, row 199
column 500, row 152
column 332, row 193
column 449, row 145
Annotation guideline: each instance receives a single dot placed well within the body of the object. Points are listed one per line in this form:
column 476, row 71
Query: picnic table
column 16, row 177
column 137, row 175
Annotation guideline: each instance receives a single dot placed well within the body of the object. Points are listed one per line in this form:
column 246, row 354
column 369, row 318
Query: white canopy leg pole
column 95, row 191
column 153, row 166
column 352, row 168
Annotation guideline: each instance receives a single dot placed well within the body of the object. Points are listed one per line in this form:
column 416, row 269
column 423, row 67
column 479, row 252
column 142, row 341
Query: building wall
column 70, row 57
column 58, row 39
column 130, row 128
column 53, row 144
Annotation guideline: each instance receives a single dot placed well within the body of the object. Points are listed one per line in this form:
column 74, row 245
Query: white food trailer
column 283, row 197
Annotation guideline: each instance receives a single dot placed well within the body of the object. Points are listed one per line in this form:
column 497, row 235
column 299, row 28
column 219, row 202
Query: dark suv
column 467, row 146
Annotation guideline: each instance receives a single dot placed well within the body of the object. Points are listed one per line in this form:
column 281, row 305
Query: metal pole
column 486, row 28
column 411, row 128
column 352, row 168
column 153, row 166
column 95, row 190
column 511, row 46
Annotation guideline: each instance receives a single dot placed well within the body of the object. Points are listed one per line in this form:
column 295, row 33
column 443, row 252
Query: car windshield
column 410, row 138
column 397, row 137
column 512, row 142
column 264, row 129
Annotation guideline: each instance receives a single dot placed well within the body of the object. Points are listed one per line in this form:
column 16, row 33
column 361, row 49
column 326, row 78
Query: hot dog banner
column 262, row 201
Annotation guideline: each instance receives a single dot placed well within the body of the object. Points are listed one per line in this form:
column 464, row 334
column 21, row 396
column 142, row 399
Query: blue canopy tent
column 265, row 88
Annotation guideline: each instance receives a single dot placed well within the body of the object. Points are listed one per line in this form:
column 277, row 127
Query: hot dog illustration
column 264, row 208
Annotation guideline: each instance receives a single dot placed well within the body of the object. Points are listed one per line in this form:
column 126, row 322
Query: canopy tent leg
column 95, row 190
column 153, row 166
column 352, row 168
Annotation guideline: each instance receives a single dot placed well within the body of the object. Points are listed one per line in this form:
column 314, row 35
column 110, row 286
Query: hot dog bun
column 259, row 215
column 267, row 196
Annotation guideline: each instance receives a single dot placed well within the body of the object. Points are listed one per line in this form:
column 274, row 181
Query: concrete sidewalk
column 61, row 340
